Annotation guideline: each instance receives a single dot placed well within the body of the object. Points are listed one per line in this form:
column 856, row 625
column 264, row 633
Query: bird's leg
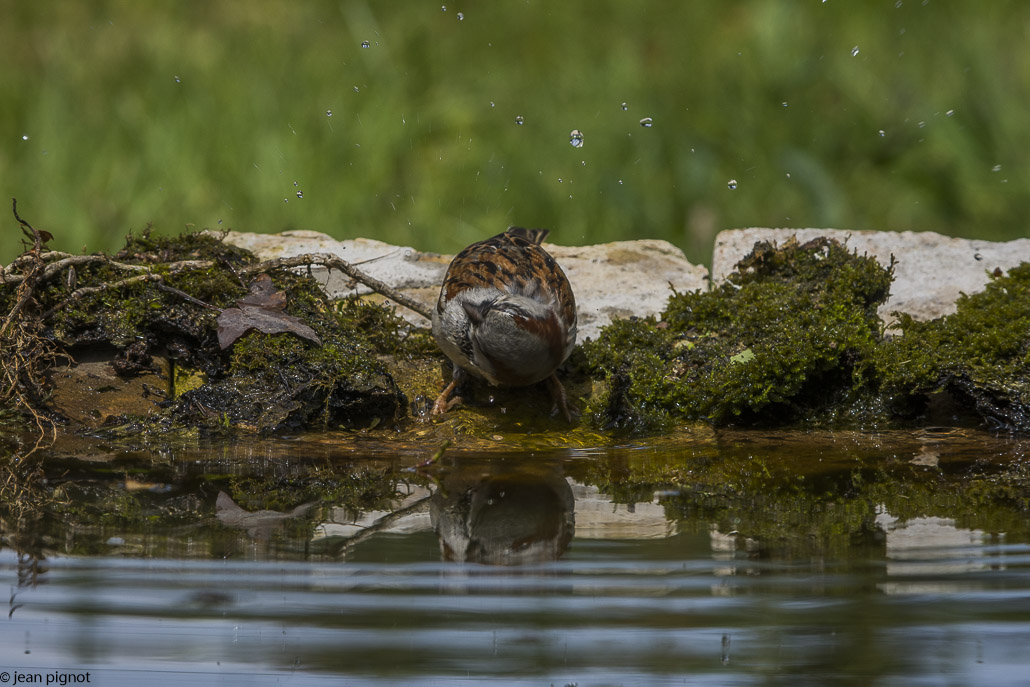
column 443, row 401
column 560, row 398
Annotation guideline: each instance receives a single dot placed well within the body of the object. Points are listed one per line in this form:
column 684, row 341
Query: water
column 728, row 559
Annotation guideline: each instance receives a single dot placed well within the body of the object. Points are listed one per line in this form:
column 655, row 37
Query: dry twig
column 334, row 263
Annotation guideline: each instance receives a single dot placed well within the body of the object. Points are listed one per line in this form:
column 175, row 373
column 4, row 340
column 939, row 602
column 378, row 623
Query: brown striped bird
column 506, row 314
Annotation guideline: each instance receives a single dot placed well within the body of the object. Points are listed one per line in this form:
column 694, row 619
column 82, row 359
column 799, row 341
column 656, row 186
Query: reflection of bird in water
column 505, row 519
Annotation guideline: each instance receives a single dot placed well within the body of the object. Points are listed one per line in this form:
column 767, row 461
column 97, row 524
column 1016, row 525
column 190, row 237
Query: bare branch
column 334, row 263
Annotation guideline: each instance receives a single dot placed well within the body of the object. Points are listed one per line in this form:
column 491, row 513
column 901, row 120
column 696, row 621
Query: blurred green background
column 885, row 114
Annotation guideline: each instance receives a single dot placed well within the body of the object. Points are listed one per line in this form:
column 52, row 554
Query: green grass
column 208, row 114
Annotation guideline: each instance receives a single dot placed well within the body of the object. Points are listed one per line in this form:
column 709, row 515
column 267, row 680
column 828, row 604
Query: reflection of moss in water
column 169, row 510
column 790, row 503
column 793, row 337
column 358, row 490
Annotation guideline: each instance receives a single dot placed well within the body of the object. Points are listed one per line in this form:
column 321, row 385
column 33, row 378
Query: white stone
column 611, row 280
column 931, row 272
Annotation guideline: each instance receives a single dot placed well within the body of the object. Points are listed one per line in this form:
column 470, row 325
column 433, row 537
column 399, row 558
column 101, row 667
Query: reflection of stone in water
column 931, row 546
column 343, row 522
column 598, row 517
column 504, row 519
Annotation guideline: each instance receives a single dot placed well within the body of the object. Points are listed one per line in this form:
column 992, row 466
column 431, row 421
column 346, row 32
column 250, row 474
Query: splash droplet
column 784, row 103
column 620, row 182
column 328, row 113
column 854, row 51
column 24, row 137
column 492, row 104
column 443, row 8
column 576, row 138
column 882, row 133
column 519, row 120
column 300, row 194
column 461, row 16
column 625, row 107
column 949, row 113
column 646, row 122
column 731, row 184
column 365, row 44
column 177, row 79
column 996, row 168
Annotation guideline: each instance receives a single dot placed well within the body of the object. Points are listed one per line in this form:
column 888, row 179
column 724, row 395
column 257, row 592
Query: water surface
column 899, row 559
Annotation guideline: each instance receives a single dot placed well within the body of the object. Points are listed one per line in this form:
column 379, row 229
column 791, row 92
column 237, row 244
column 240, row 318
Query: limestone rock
column 610, row 280
column 931, row 269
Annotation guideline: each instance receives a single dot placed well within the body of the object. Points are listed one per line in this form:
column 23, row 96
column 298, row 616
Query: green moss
column 980, row 354
column 793, row 337
column 787, row 338
column 121, row 315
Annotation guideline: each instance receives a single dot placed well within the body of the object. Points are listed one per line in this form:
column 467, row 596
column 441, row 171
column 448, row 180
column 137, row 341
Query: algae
column 793, row 338
column 980, row 354
column 789, row 337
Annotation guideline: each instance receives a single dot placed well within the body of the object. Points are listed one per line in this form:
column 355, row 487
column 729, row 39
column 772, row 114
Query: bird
column 506, row 314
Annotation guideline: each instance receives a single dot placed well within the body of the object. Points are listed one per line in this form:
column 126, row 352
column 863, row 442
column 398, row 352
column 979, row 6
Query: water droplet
column 921, row 124
column 365, row 44
column 519, row 120
column 731, row 184
column 583, row 163
column 625, row 107
column 949, row 113
column 219, row 221
column 854, row 51
column 286, row 200
column 443, row 8
column 882, row 133
column 492, row 104
column 620, row 182
column 559, row 180
column 300, row 194
column 996, row 168
column 296, row 183
column 576, row 138
column 24, row 137
column 356, row 89
column 328, row 113
column 784, row 103
column 461, row 16
column 177, row 79
column 646, row 122
column 977, row 256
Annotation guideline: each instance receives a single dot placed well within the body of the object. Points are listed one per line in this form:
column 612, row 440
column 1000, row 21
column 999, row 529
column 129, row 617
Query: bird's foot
column 444, row 402
column 560, row 398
